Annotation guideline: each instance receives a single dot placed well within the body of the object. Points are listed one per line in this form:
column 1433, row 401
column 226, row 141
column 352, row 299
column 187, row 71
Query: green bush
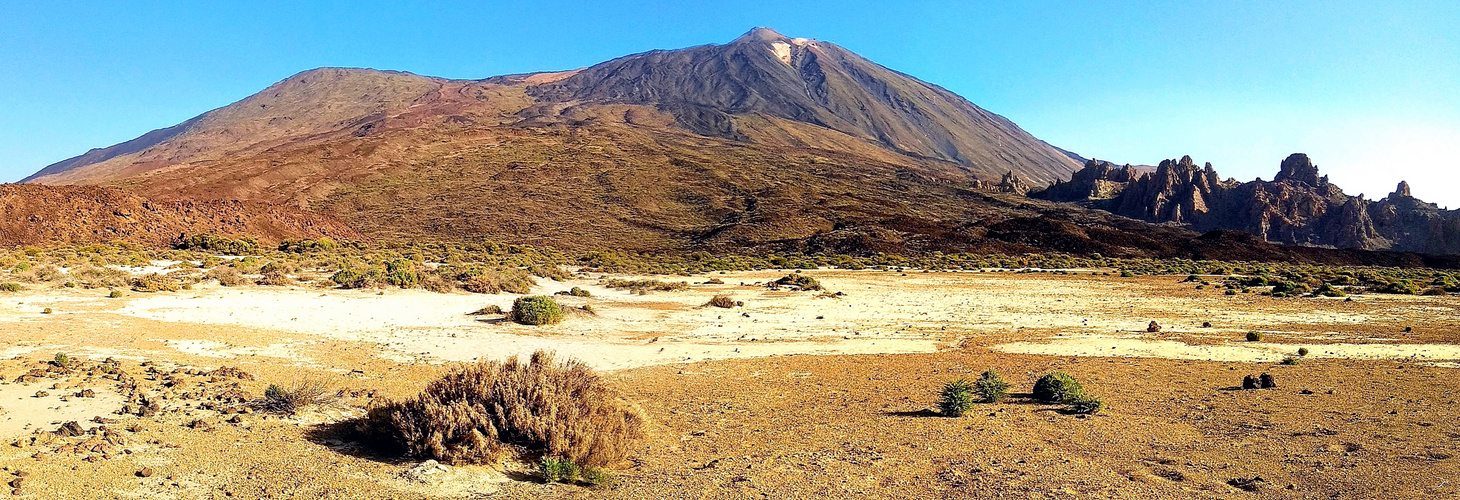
column 1087, row 405
column 9, row 287
column 1126, row 274
column 1254, row 336
column 491, row 309
column 956, row 398
column 46, row 311
column 557, row 470
column 1291, row 361
column 536, row 310
column 801, row 281
column 402, row 273
column 1058, row 387
column 219, row 244
column 1302, row 351
column 62, row 360
column 115, row 294
column 991, row 387
column 579, row 292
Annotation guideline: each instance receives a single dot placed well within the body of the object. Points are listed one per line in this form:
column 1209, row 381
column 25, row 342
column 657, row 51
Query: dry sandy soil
column 791, row 396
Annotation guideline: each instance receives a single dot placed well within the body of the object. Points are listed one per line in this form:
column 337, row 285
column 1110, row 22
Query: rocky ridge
column 1297, row 207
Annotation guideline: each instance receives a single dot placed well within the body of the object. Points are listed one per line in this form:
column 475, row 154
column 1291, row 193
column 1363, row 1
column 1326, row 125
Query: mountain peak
column 761, row 34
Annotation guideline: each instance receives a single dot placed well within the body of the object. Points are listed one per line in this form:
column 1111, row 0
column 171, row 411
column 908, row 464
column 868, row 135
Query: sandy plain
column 791, row 396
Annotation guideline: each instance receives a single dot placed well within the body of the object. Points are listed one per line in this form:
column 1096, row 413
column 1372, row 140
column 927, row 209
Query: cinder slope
column 40, row 215
column 296, row 109
column 711, row 89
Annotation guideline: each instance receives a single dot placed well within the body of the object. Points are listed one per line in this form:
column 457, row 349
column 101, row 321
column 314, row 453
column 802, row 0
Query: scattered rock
column 1153, row 327
column 1267, row 382
column 145, row 472
column 1250, row 382
column 1251, row 485
column 70, row 429
column 86, row 393
column 1206, row 324
column 41, row 394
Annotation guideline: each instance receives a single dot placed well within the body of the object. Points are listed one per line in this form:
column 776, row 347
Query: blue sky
column 1369, row 89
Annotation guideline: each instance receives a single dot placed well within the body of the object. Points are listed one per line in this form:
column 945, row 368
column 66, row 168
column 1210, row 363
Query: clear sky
column 1369, row 89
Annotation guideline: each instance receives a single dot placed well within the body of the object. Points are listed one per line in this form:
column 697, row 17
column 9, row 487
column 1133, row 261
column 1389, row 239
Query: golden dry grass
column 478, row 413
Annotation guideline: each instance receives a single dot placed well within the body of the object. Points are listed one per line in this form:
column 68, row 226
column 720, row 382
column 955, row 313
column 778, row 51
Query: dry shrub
column 306, row 393
column 275, row 277
column 724, row 301
column 156, row 283
column 646, row 285
column 227, row 276
column 479, row 413
column 48, row 273
column 499, row 280
column 435, row 283
column 100, row 277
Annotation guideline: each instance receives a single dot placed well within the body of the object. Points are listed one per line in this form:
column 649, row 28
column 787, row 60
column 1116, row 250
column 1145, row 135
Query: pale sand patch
column 423, row 326
column 23, row 413
column 1246, row 352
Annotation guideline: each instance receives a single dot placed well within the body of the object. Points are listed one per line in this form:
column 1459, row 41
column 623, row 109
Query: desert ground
column 793, row 395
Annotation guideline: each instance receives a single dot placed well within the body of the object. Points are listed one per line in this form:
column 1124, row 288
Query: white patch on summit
column 782, row 50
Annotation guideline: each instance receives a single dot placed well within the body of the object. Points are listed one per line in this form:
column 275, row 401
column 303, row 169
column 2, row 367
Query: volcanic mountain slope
column 761, row 141
column 712, row 89
column 39, row 215
column 1296, row 207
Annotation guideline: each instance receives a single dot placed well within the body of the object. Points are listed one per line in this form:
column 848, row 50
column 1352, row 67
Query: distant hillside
column 40, row 215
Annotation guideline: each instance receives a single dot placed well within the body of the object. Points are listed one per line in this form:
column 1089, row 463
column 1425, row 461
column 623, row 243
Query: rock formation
column 1297, row 207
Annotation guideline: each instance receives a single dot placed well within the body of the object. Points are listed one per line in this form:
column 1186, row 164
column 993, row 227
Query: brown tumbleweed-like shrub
column 479, row 413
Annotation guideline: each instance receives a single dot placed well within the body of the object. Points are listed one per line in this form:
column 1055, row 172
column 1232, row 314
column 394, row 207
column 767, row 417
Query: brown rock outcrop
column 1298, row 207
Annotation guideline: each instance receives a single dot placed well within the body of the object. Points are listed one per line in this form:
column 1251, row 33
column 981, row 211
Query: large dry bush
column 90, row 276
column 227, row 276
column 479, row 413
column 498, row 280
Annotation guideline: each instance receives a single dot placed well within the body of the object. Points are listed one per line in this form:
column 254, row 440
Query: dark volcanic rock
column 1297, row 207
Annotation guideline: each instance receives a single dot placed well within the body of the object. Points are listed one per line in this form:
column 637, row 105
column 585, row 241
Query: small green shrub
column 347, row 277
column 557, row 470
column 646, row 285
column 1230, row 292
column 1087, row 405
column 595, row 476
column 579, row 292
column 1058, row 387
column 402, row 274
column 956, row 398
column 1302, row 351
column 1254, row 336
column 491, row 309
column 991, row 387
column 115, row 294
column 800, row 281
column 46, row 311
column 1126, row 274
column 536, row 310
column 1290, row 361
column 9, row 287
column 275, row 392
column 62, row 360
